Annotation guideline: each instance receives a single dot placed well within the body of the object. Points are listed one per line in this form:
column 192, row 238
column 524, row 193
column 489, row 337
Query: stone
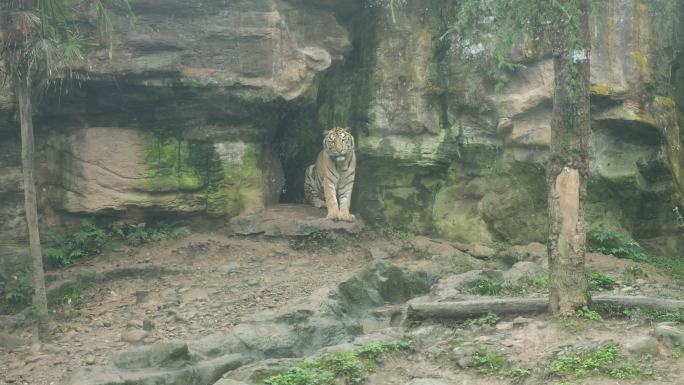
column 504, row 326
column 642, row 346
column 670, row 333
column 290, row 220
column 134, row 336
column 463, row 354
column 162, row 354
column 228, row 381
column 524, row 271
column 89, row 360
column 10, row 341
column 533, row 252
column 480, row 251
column 522, row 321
column 229, row 267
column 426, row 381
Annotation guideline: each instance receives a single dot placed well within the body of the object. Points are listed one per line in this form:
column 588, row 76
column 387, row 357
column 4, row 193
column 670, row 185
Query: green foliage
column 490, row 319
column 645, row 315
column 486, row 287
column 633, row 272
column 486, row 361
column 72, row 294
column 91, row 239
column 600, row 281
column 352, row 367
column 616, row 243
column 623, row 246
column 588, row 314
column 15, row 292
column 603, row 360
column 88, row 240
column 141, row 233
column 490, row 287
column 677, row 352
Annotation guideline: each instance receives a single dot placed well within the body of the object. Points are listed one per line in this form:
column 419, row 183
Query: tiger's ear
column 347, row 129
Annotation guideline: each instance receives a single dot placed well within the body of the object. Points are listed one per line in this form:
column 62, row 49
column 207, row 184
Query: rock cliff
column 215, row 107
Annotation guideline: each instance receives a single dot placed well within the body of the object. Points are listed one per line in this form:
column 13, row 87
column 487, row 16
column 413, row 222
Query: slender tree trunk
column 23, row 94
column 568, row 163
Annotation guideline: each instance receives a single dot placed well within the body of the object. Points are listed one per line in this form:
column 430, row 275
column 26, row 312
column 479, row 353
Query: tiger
column 329, row 181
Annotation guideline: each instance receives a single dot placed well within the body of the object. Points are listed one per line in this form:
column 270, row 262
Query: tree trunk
column 23, row 94
column 568, row 162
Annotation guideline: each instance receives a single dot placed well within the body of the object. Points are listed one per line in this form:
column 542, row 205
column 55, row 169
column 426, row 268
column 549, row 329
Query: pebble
column 90, row 360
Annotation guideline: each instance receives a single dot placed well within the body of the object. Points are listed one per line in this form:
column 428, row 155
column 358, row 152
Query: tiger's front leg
column 331, row 201
column 346, row 185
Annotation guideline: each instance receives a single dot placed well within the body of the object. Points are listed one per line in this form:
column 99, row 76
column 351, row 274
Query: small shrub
column 588, row 314
column 141, row 233
column 486, row 287
column 490, row 319
column 351, row 366
column 605, row 359
column 677, row 352
column 88, row 240
column 600, row 281
column 632, row 273
column 485, row 361
column 15, row 292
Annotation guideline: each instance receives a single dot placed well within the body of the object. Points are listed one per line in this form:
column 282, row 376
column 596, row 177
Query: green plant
column 677, row 352
column 88, row 240
column 490, row 319
column 646, row 315
column 632, row 272
column 351, row 366
column 486, row 361
column 486, row 287
column 141, row 233
column 15, row 292
column 604, row 359
column 600, row 281
column 588, row 314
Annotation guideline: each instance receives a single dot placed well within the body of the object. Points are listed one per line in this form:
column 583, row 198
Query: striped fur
column 329, row 181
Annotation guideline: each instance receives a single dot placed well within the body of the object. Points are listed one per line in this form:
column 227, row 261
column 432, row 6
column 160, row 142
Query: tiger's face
column 339, row 144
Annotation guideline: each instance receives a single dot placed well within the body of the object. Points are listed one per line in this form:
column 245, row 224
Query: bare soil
column 213, row 281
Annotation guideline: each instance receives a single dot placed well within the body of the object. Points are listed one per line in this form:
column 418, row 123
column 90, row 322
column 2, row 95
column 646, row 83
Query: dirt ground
column 211, row 282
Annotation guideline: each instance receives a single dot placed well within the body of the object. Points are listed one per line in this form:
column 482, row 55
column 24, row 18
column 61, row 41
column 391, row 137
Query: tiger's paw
column 333, row 216
column 347, row 217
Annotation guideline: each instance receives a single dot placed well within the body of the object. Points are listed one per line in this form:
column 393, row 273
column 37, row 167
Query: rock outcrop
column 215, row 108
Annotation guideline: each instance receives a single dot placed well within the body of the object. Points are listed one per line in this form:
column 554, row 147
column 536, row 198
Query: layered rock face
column 214, row 107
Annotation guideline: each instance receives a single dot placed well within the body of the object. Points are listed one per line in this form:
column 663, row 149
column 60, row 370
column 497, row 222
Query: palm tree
column 37, row 42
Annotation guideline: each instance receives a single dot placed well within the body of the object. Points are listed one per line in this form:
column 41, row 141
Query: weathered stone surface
column 290, row 220
column 670, row 333
column 104, row 169
column 523, row 271
column 326, row 318
column 644, row 346
column 426, row 381
column 161, row 354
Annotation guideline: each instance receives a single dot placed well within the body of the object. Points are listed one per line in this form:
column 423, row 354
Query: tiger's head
column 339, row 144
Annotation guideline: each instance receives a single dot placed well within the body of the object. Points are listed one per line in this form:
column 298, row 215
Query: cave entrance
column 297, row 142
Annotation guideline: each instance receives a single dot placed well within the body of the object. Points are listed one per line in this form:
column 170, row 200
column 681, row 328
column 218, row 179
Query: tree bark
column 568, row 165
column 23, row 94
column 476, row 308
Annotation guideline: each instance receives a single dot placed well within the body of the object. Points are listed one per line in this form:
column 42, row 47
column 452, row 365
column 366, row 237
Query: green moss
column 169, row 166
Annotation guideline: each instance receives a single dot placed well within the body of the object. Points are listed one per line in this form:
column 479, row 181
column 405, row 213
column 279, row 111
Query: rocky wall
column 213, row 108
